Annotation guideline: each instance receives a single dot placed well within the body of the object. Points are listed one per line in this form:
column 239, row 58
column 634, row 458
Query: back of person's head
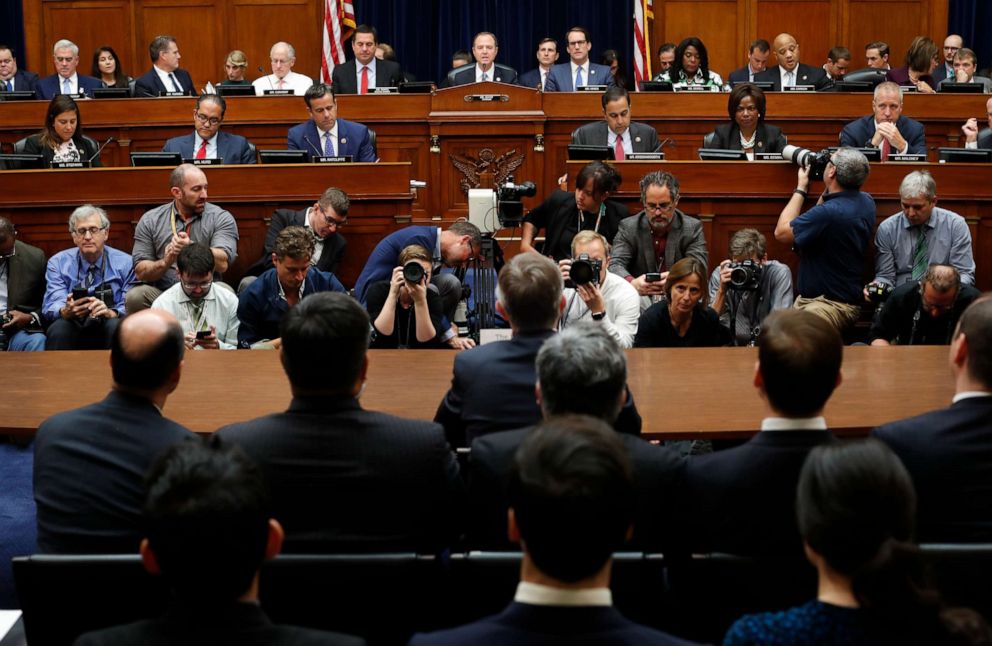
column 799, row 357
column 976, row 326
column 207, row 521
column 920, row 53
column 571, row 492
column 614, row 93
column 146, row 349
column 582, row 370
column 852, row 168
column 529, row 291
column 325, row 329
column 605, row 177
column 196, row 260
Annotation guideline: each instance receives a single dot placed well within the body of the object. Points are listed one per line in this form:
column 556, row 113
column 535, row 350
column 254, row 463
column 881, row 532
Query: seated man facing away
column 886, row 129
column 571, row 498
column 208, row 529
column 324, row 135
column 263, row 305
column 208, row 315
column 22, row 290
column 208, row 141
column 343, row 478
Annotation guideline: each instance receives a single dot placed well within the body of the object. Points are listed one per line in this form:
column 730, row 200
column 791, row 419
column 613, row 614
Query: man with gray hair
column 907, row 243
column 165, row 78
column 65, row 54
column 886, row 128
column 649, row 243
column 581, row 371
column 86, row 285
column 831, row 238
column 165, row 230
column 282, row 57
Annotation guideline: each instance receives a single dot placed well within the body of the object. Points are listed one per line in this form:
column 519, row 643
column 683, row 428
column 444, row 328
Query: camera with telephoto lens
column 878, row 292
column 745, row 276
column 584, row 270
column 413, row 272
column 815, row 162
column 5, row 318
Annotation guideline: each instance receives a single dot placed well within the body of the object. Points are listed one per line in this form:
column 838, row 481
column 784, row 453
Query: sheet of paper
column 7, row 620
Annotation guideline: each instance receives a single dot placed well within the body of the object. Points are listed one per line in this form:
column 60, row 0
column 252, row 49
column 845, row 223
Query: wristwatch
column 598, row 316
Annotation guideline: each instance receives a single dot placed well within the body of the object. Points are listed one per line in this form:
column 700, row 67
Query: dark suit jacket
column 561, row 79
column 466, row 74
column 26, row 278
column 233, row 149
column 985, row 141
column 89, row 470
column 633, row 247
column 343, row 478
column 743, row 75
column 900, row 76
column 524, row 624
column 344, row 80
column 531, row 78
column 742, row 500
column 658, row 474
column 51, row 86
column 87, row 149
column 331, row 255
column 353, row 139
column 947, row 454
column 149, row 84
column 261, row 308
column 805, row 75
column 643, row 138
column 859, row 132
column 940, row 73
column 769, row 138
column 241, row 624
column 25, row 81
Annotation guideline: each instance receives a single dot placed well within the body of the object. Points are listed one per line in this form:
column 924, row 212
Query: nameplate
column 384, row 90
column 172, row 94
column 75, row 95
column 72, row 164
column 768, row 157
column 204, row 162
column 283, row 92
column 340, row 159
column 909, row 88
column 908, row 157
column 592, row 88
column 486, row 98
column 799, row 88
column 645, row 156
column 694, row 88
column 488, row 335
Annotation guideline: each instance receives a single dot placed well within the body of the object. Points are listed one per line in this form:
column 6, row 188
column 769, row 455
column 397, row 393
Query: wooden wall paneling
column 258, row 24
column 88, row 23
column 894, row 22
column 200, row 28
column 714, row 22
column 34, row 58
column 812, row 22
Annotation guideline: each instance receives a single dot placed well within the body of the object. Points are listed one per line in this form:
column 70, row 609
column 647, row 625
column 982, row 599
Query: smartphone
column 202, row 334
column 652, row 277
column 79, row 293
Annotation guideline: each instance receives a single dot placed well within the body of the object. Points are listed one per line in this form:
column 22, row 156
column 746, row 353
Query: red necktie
column 618, row 155
column 202, row 152
column 365, row 80
column 886, row 149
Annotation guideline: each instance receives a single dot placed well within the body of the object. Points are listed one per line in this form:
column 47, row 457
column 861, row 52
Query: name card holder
column 799, row 88
column 768, row 157
column 172, row 94
column 286, row 91
column 204, row 162
column 658, row 156
column 908, row 157
column 384, row 90
column 592, row 88
column 72, row 164
column 696, row 88
column 486, row 98
column 340, row 159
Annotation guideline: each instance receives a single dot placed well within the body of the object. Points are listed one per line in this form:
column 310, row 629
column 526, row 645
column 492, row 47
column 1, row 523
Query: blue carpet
column 18, row 529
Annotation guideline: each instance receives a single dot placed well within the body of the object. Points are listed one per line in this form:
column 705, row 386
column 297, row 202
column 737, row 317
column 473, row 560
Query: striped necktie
column 921, row 254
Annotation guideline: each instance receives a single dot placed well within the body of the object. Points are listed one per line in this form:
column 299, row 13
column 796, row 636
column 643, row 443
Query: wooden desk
column 704, row 392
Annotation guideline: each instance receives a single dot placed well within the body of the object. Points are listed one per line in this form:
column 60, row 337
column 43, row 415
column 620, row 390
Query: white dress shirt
column 611, row 140
column 298, row 83
column 623, row 309
column 794, row 424
column 220, row 309
column 358, row 74
column 536, row 594
column 321, row 138
column 211, row 145
column 167, row 82
column 585, row 72
column 73, row 84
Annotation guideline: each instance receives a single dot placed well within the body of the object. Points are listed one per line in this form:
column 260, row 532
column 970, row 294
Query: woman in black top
column 406, row 314
column 682, row 319
column 107, row 68
column 747, row 129
column 62, row 138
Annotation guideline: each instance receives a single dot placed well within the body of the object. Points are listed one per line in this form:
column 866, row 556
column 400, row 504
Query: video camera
column 508, row 200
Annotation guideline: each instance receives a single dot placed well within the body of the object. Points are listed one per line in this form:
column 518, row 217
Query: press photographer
column 747, row 286
column 404, row 312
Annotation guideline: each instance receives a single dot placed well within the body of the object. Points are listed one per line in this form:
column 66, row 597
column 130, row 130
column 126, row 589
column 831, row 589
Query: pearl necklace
column 748, row 143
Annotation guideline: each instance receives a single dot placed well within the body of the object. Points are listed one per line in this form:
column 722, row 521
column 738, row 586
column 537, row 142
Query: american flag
column 339, row 23
column 643, row 11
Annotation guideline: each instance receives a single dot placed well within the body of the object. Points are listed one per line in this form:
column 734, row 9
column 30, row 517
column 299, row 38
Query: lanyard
column 599, row 217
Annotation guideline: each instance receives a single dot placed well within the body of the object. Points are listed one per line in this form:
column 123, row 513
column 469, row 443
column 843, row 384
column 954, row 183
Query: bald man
column 789, row 72
column 282, row 57
column 90, row 463
column 946, row 68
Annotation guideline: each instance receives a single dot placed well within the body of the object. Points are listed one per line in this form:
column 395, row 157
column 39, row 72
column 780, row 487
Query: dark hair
column 324, row 329
column 529, row 289
column 485, row 33
column 548, row 40
column 60, row 103
column 294, row 241
column 466, row 228
column 837, row 53
column 582, row 370
column 856, row 506
column 462, row 55
column 196, row 260
column 212, row 98
column 682, row 269
column 571, row 491
column 739, row 93
column 151, row 368
column 882, row 47
column 120, row 78
column 704, row 59
column 799, row 356
column 760, row 44
column 317, row 91
column 608, row 57
column 583, row 30
column 206, row 517
column 366, row 29
column 965, row 53
column 921, row 53
column 336, row 199
column 660, row 178
column 605, row 178
column 666, row 47
column 614, row 93
column 976, row 325
column 158, row 45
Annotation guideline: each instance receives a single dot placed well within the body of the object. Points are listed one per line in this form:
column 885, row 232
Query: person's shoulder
column 25, row 249
column 59, row 257
column 141, row 632
column 228, row 136
column 912, row 431
column 623, row 287
column 154, row 213
column 217, row 211
column 285, row 635
column 353, row 126
column 492, row 444
column 772, row 628
column 407, row 429
column 115, row 254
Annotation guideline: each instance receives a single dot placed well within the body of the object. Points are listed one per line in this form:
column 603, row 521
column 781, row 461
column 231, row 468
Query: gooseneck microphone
column 271, row 87
column 320, row 153
column 100, row 149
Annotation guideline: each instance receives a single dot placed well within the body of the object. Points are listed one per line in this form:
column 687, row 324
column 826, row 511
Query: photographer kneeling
column 748, row 286
column 404, row 313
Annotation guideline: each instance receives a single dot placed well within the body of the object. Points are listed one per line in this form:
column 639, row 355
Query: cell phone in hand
column 652, row 277
column 202, row 334
column 79, row 293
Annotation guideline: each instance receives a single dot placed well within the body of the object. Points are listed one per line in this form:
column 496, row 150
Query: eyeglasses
column 202, row 118
column 931, row 306
column 82, row 231
column 577, row 43
column 330, row 221
column 659, row 208
column 202, row 285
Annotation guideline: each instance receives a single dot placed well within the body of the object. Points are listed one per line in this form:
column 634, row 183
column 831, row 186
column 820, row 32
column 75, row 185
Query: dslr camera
column 413, row 272
column 584, row 270
column 815, row 162
column 745, row 275
column 878, row 292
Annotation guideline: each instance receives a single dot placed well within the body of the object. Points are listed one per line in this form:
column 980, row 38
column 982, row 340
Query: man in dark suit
column 165, row 74
column 581, row 371
column 742, row 500
column 484, row 49
column 946, row 451
column 207, row 141
column 572, row 497
column 757, row 62
column 365, row 72
column 973, row 138
column 342, row 477
column 579, row 70
column 65, row 54
column 946, row 68
column 90, row 463
column 887, row 128
column 208, row 529
column 617, row 130
column 324, row 135
column 790, row 71
column 22, row 285
column 547, row 54
column 11, row 78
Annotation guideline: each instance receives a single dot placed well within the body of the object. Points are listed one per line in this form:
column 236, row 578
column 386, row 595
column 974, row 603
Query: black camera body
column 413, row 272
column 509, row 207
column 584, row 270
column 815, row 162
column 878, row 292
column 745, row 275
column 5, row 318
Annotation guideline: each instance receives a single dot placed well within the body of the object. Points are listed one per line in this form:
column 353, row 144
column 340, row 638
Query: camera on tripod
column 815, row 162
column 508, row 200
column 745, row 275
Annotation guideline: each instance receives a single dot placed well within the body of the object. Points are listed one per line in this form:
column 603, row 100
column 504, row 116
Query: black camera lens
column 584, row 271
column 413, row 272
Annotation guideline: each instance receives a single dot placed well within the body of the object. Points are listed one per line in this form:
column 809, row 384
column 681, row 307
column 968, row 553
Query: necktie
column 886, row 149
column 789, row 79
column 66, row 86
column 90, row 277
column 578, row 77
column 328, row 145
column 618, row 153
column 7, row 86
column 201, row 152
column 921, row 255
column 365, row 80
column 485, row 77
column 282, row 83
column 175, row 84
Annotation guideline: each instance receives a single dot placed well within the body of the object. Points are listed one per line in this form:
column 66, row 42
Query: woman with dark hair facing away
column 692, row 67
column 107, row 68
column 612, row 59
column 921, row 61
column 405, row 311
column 62, row 139
column 747, row 129
column 682, row 319
column 856, row 506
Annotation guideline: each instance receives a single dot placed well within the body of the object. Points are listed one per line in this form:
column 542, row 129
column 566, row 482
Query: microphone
column 100, row 149
column 320, row 153
column 271, row 87
column 667, row 142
